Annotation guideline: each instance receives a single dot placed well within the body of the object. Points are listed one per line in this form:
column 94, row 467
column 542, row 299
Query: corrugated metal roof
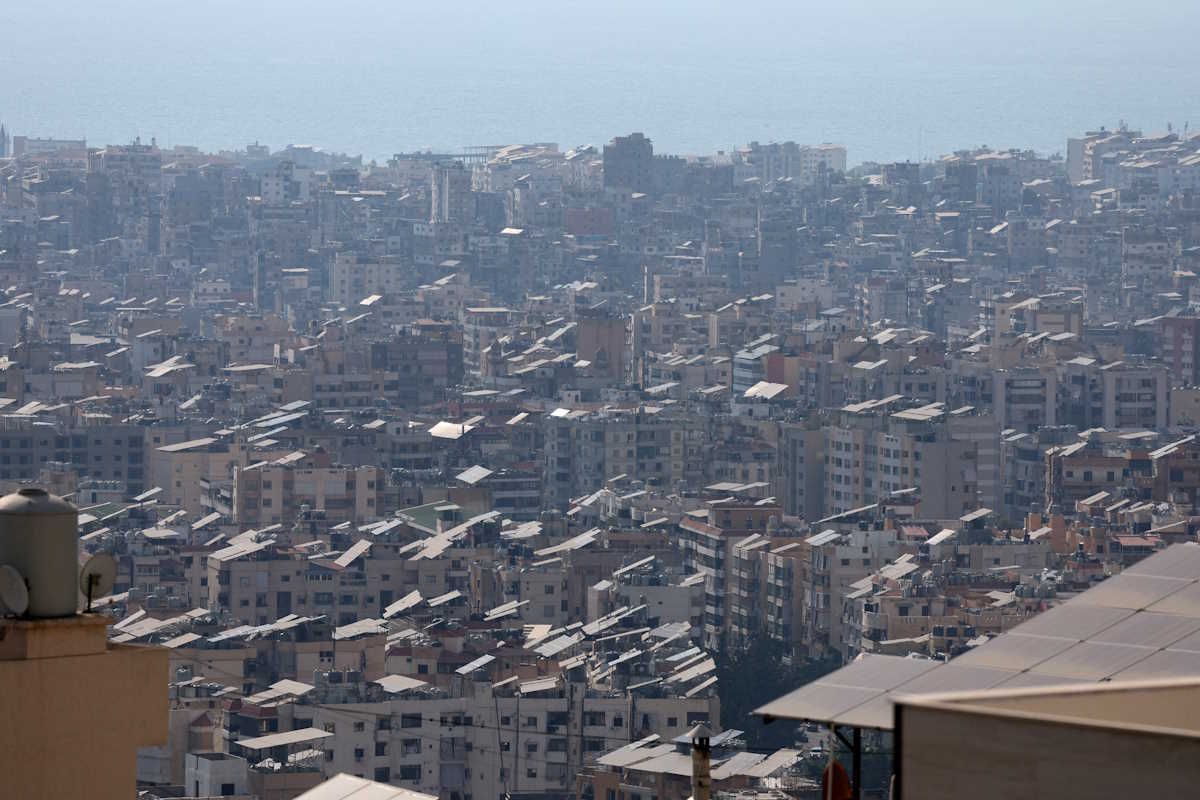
column 285, row 738
column 398, row 683
column 479, row 663
column 349, row 787
column 355, row 550
column 539, row 685
column 1111, row 632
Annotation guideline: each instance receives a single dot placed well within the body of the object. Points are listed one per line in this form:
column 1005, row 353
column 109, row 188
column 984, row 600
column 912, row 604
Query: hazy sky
column 891, row 80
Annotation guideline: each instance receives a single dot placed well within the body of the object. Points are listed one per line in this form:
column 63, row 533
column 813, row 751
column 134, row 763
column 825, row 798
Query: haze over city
column 890, row 81
column 637, row 401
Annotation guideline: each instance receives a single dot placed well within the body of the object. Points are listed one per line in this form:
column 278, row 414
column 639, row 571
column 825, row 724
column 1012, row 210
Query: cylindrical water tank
column 39, row 537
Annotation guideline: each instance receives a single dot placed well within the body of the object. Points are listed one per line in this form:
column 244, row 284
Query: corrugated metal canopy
column 1092, row 660
column 1015, row 651
column 1074, row 620
column 1132, row 591
column 1142, row 623
column 398, row 683
column 1149, row 629
column 349, row 787
column 631, row 754
column 281, row 739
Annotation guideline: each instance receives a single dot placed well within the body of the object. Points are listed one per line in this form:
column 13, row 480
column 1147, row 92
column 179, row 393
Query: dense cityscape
column 596, row 472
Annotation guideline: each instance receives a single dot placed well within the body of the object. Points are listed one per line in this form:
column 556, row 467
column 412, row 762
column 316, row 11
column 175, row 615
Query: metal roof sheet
column 355, row 550
column 392, row 684
column 479, row 663
column 539, row 685
column 1112, row 634
column 473, row 475
column 285, row 738
column 349, row 787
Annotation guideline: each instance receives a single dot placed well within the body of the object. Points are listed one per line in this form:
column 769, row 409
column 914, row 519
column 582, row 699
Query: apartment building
column 95, row 450
column 584, row 449
column 264, row 581
column 354, row 277
column 835, row 562
column 709, row 543
column 273, row 493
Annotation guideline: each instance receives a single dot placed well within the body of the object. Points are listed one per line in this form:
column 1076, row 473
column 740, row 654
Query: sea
column 890, row 81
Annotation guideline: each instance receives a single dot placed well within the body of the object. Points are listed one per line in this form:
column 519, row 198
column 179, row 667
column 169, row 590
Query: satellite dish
column 97, row 577
column 14, row 594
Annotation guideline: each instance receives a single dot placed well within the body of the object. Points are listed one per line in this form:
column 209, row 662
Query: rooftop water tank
column 39, row 538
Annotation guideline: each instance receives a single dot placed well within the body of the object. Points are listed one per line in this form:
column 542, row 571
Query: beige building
column 64, row 682
column 260, row 586
column 182, row 469
column 354, row 278
column 273, row 493
column 484, row 745
column 1090, row 741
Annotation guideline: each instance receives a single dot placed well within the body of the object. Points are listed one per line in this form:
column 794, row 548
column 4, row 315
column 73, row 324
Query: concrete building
column 628, row 163
column 450, row 194
column 60, row 675
column 274, row 493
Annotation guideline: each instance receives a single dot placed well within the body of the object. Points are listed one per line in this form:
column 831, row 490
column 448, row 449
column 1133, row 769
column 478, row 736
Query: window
column 358, row 754
column 228, row 790
column 531, row 722
column 382, row 774
column 412, row 773
column 410, row 720
column 422, row 669
column 381, row 748
column 359, row 726
column 530, row 772
column 672, row 722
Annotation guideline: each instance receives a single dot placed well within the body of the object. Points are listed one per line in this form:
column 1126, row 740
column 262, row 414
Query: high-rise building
column 628, row 161
column 451, row 196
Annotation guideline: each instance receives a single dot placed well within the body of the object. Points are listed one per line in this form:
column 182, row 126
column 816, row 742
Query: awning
column 282, row 739
column 1143, row 623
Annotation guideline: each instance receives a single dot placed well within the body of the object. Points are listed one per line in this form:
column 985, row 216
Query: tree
column 756, row 675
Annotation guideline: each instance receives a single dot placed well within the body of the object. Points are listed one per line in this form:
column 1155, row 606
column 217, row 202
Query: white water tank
column 39, row 537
